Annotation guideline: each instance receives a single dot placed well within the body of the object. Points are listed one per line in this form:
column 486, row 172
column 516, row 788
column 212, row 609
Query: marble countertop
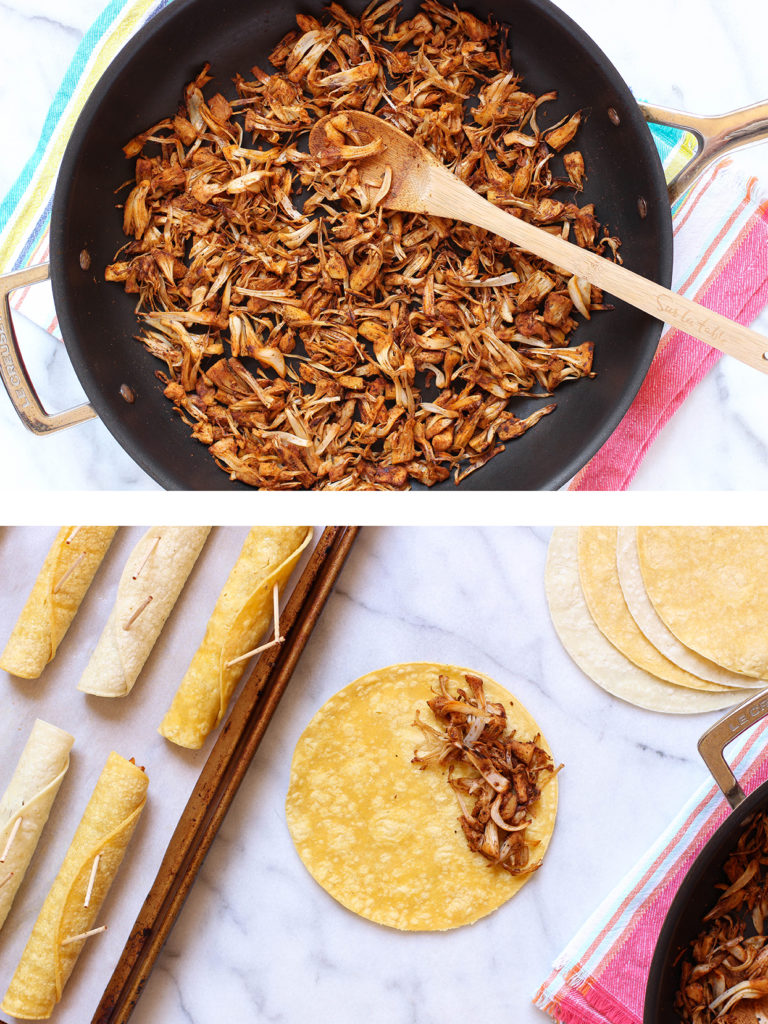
column 705, row 56
column 257, row 939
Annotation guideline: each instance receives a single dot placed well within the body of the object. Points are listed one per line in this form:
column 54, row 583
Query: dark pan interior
column 695, row 897
column 144, row 84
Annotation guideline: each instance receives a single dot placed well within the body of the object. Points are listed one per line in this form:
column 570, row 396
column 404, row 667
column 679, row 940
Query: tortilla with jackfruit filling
column 237, row 624
column 60, row 587
column 151, row 582
column 386, row 836
column 26, row 804
column 78, row 891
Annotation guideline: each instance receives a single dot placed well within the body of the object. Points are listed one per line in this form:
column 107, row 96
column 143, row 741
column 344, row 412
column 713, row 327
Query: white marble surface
column 258, row 940
column 705, row 56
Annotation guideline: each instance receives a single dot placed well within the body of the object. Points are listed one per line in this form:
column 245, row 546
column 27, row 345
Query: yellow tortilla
column 648, row 621
column 381, row 835
column 597, row 657
column 600, row 582
column 709, row 584
column 27, row 802
column 60, row 587
column 149, row 587
column 237, row 625
column 104, row 830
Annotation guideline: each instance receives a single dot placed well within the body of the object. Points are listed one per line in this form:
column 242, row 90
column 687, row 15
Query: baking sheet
column 99, row 725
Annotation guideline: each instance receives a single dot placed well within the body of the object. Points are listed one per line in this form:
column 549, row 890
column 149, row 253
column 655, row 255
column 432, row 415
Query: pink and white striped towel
column 600, row 977
column 721, row 261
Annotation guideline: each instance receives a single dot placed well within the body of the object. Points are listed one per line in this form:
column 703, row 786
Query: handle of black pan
column 715, row 136
column 716, row 739
column 18, row 384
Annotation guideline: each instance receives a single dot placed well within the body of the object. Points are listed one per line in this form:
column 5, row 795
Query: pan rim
column 168, row 476
column 714, row 848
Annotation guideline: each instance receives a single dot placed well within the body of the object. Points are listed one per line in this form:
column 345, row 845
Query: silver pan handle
column 716, row 739
column 714, row 135
column 18, row 384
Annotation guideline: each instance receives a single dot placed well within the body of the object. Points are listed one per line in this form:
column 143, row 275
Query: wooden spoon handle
column 447, row 196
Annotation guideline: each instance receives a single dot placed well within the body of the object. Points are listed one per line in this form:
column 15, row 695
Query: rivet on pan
column 642, row 207
column 85, row 260
column 127, row 393
column 613, row 116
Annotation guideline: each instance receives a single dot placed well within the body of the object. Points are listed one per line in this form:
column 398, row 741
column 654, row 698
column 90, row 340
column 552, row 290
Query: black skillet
column 698, row 894
column 144, row 84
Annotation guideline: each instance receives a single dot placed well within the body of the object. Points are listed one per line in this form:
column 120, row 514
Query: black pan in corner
column 698, row 891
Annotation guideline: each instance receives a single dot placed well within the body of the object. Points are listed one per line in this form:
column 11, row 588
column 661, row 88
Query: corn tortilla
column 153, row 578
column 28, row 801
column 649, row 622
column 59, row 589
column 382, row 836
column 597, row 657
column 599, row 577
column 104, row 830
column 239, row 620
column 709, row 584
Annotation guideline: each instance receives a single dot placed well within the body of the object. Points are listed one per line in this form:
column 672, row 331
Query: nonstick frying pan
column 145, row 83
column 697, row 894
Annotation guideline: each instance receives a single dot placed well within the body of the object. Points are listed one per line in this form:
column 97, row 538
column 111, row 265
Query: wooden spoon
column 421, row 184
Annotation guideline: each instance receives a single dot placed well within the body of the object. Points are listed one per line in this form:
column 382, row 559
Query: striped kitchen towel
column 721, row 260
column 721, row 246
column 25, row 212
column 600, row 977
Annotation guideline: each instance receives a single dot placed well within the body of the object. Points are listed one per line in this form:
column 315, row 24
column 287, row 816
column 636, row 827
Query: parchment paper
column 99, row 725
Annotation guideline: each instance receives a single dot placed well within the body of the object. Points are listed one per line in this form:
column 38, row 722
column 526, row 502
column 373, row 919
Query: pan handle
column 716, row 739
column 20, row 388
column 714, row 136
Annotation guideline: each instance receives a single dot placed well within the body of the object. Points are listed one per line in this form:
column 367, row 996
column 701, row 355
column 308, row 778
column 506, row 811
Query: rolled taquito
column 26, row 804
column 77, row 894
column 239, row 620
column 61, row 585
column 151, row 582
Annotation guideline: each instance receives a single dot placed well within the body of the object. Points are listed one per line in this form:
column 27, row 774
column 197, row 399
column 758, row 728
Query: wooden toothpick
column 137, row 613
column 7, row 879
column 270, row 643
column 256, row 650
column 69, row 572
column 11, row 837
column 147, row 557
column 92, row 879
column 72, row 535
column 83, row 935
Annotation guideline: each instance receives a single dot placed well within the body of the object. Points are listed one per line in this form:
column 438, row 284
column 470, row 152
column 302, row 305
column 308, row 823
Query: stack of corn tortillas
column 670, row 618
